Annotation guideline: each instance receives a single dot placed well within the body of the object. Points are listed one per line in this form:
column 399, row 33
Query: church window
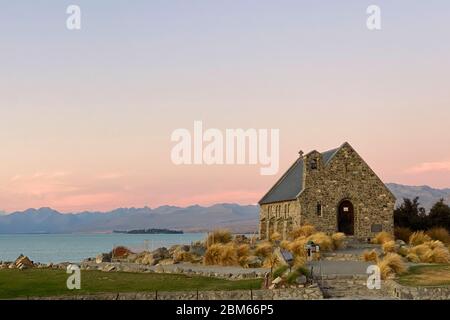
column 319, row 209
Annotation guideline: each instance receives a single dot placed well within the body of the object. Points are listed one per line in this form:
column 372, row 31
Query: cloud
column 442, row 166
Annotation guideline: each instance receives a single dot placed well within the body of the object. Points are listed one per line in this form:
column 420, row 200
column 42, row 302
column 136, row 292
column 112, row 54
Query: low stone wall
column 276, row 294
column 418, row 293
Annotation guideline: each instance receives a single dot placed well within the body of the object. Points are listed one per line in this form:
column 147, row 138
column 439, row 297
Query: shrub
column 297, row 247
column 280, row 271
column 221, row 254
column 412, row 257
column 285, row 244
column 338, row 240
column 370, row 256
column 439, row 255
column 429, row 252
column 303, row 231
column 403, row 234
column 299, row 261
column 382, row 237
column 121, row 252
column 403, row 251
column 440, row 234
column 390, row 265
column 243, row 250
column 276, row 236
column 183, row 256
column 389, row 246
column 292, row 277
column 264, row 249
column 418, row 237
column 271, row 261
column 219, row 236
column 323, row 240
column 303, row 270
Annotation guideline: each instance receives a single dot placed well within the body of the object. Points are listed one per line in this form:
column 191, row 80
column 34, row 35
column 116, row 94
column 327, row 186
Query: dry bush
column 440, row 234
column 370, row 256
column 183, row 256
column 285, row 244
column 389, row 246
column 263, row 249
column 221, row 254
column 403, row 234
column 429, row 252
column 243, row 250
column 390, row 265
column 276, row 236
column 418, row 237
column 219, row 236
column 403, row 251
column 323, row 240
column 338, row 240
column 382, row 237
column 297, row 247
column 299, row 261
column 303, row 231
column 121, row 252
column 412, row 257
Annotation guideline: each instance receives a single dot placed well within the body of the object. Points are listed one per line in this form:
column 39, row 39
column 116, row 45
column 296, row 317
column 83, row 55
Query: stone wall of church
column 346, row 177
column 279, row 217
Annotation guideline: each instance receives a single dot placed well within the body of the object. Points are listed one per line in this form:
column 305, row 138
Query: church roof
column 289, row 186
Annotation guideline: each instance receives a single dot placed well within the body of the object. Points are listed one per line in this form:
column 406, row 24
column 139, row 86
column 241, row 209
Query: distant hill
column 427, row 196
column 237, row 218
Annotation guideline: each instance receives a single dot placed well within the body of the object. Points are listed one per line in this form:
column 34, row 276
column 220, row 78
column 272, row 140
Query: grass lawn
column 427, row 275
column 42, row 282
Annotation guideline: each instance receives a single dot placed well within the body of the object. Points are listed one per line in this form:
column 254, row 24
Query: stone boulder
column 24, row 261
column 254, row 262
column 103, row 257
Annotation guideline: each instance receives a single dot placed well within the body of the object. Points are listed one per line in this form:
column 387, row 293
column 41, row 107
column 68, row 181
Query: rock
column 109, row 268
column 400, row 243
column 254, row 262
column 197, row 249
column 11, row 266
column 22, row 266
column 272, row 287
column 277, row 280
column 159, row 269
column 301, row 280
column 165, row 262
column 24, row 261
column 161, row 253
column 131, row 257
column 103, row 257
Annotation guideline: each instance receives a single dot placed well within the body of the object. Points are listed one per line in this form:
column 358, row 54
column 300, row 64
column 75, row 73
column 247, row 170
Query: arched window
column 313, row 164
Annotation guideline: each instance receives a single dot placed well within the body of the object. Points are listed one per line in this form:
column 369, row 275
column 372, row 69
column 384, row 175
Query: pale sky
column 86, row 116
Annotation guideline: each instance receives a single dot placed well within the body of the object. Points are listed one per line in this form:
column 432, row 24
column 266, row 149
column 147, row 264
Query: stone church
column 336, row 191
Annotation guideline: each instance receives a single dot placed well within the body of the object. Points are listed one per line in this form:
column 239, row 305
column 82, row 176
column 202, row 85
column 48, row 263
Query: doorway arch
column 346, row 217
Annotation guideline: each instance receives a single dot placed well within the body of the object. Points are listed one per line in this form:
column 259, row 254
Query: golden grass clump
column 297, row 247
column 390, row 265
column 370, row 256
column 429, row 252
column 382, row 237
column 403, row 234
column 219, row 236
column 338, row 240
column 389, row 246
column 303, row 231
column 440, row 234
column 243, row 252
column 285, row 244
column 221, row 254
column 263, row 249
column 183, row 256
column 276, row 236
column 323, row 240
column 418, row 238
column 403, row 251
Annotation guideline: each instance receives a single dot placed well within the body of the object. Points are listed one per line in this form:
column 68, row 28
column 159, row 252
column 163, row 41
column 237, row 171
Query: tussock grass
column 418, row 238
column 440, row 234
column 243, row 252
column 264, row 249
column 429, row 252
column 285, row 244
column 183, row 256
column 303, row 231
column 338, row 240
column 280, row 271
column 403, row 234
column 391, row 265
column 370, row 256
column 389, row 246
column 323, row 240
column 221, row 254
column 297, row 247
column 382, row 237
column 219, row 236
column 276, row 236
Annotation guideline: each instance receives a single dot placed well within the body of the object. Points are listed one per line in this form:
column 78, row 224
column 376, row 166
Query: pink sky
column 86, row 118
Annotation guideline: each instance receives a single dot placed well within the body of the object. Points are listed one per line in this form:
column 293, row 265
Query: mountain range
column 238, row 218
